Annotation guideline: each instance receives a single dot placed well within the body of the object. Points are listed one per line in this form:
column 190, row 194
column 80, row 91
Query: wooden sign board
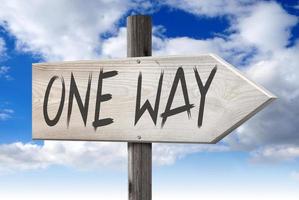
column 192, row 99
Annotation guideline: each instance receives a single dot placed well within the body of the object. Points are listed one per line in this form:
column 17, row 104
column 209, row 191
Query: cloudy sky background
column 259, row 160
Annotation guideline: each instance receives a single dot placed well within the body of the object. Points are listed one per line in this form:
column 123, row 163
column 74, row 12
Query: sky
column 259, row 160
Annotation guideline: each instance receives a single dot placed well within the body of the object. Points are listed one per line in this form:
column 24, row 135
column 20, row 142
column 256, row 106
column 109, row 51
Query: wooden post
column 139, row 43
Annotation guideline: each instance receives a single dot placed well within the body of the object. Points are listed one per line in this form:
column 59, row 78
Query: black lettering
column 52, row 122
column 203, row 91
column 101, row 98
column 147, row 106
column 180, row 76
column 75, row 92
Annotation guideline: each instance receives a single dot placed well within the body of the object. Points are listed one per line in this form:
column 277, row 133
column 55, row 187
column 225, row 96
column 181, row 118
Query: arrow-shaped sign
column 195, row 99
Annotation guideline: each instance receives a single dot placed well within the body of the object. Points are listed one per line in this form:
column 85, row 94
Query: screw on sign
column 190, row 99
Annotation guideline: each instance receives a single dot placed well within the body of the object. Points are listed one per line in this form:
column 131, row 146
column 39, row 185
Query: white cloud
column 5, row 114
column 61, row 30
column 167, row 154
column 211, row 8
column 116, row 46
column 185, row 45
column 86, row 155
column 275, row 153
column 267, row 26
column 82, row 155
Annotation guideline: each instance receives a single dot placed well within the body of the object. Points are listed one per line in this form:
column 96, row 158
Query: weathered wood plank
column 230, row 100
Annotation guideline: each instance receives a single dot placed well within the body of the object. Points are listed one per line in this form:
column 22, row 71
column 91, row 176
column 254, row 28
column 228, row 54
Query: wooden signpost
column 190, row 99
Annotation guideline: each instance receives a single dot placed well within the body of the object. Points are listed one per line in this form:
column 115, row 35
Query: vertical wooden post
column 139, row 43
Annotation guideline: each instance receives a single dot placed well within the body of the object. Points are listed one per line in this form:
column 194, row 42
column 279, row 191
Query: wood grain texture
column 139, row 43
column 139, row 36
column 232, row 98
column 140, row 171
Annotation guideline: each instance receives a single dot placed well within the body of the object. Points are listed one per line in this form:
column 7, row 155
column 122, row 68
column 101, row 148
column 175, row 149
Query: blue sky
column 259, row 160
